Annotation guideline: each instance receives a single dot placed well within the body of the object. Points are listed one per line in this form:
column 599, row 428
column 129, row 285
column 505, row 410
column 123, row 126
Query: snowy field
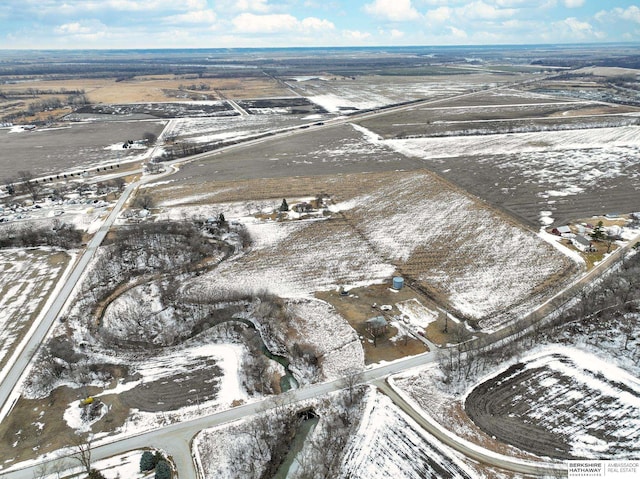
column 518, row 143
column 583, row 406
column 295, row 259
column 390, row 445
column 476, row 260
column 74, row 147
column 345, row 94
column 558, row 401
column 336, row 343
column 211, row 130
column 479, row 261
column 27, row 276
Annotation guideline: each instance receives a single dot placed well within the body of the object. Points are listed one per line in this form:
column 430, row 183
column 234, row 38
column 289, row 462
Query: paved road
column 467, row 448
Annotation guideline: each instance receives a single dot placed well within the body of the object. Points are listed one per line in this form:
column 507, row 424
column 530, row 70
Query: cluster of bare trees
column 61, row 235
column 265, row 439
column 75, row 99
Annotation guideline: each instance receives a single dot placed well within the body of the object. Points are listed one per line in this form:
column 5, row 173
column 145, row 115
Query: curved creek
column 288, row 381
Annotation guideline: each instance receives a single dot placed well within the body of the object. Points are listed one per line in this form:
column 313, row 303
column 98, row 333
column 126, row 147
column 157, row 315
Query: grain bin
column 398, row 282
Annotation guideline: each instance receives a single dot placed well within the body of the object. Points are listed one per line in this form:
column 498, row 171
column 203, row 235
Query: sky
column 101, row 24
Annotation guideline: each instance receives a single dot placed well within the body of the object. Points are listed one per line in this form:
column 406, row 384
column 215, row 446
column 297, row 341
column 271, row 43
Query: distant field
column 480, row 116
column 569, row 174
column 336, row 93
column 332, row 150
column 72, row 147
column 154, row 88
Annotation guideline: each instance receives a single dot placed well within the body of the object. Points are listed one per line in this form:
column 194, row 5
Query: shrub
column 147, row 461
column 163, row 471
column 95, row 474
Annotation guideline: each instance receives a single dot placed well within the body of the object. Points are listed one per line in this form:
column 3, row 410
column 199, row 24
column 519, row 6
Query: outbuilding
column 561, row 230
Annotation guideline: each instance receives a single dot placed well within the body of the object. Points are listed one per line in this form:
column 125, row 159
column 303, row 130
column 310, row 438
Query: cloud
column 396, row 33
column 393, row 10
column 278, row 23
column 439, row 15
column 577, row 30
column 631, row 14
column 317, row 24
column 73, row 28
column 573, row 3
column 356, row 35
column 193, row 17
column 483, row 11
column 252, row 23
column 86, row 31
column 261, row 6
column 457, row 33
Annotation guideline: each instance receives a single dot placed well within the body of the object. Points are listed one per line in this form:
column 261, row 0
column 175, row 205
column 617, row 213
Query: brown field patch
column 356, row 308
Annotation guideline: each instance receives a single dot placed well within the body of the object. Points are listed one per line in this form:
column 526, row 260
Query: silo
column 398, row 282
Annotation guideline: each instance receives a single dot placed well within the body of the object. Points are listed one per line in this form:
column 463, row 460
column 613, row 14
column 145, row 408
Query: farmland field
column 26, row 280
column 523, row 114
column 469, row 257
column 562, row 404
column 211, row 129
column 344, row 94
column 72, row 147
column 573, row 174
column 333, row 150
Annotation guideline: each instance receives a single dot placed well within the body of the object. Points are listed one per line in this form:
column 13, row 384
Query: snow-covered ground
column 481, row 261
column 568, row 161
column 579, row 396
column 389, row 444
column 335, row 342
column 27, row 276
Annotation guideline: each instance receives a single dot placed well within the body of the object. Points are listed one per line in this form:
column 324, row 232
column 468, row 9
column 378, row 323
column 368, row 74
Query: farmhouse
column 582, row 243
column 303, row 207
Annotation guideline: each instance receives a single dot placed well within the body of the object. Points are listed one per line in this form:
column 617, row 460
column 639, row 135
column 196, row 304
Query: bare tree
column 351, row 381
column 30, row 185
column 143, row 201
column 10, row 186
column 150, row 137
column 82, row 448
column 42, row 470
